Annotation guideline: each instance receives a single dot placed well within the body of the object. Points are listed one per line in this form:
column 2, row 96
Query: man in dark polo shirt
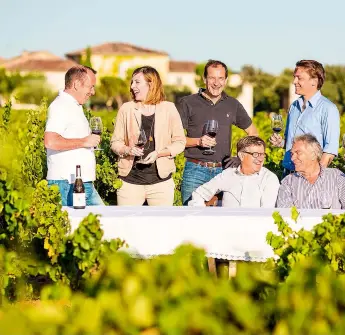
column 195, row 110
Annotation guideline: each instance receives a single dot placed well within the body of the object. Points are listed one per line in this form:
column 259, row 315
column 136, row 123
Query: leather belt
column 205, row 164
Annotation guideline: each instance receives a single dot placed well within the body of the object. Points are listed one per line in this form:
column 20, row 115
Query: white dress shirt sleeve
column 284, row 199
column 270, row 191
column 206, row 191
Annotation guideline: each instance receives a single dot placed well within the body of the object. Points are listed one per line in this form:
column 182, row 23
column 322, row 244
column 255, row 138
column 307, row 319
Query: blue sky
column 268, row 34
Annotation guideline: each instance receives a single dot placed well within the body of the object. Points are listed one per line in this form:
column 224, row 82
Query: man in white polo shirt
column 68, row 137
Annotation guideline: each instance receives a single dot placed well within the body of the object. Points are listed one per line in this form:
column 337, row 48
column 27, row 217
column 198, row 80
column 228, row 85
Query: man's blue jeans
column 66, row 191
column 195, row 175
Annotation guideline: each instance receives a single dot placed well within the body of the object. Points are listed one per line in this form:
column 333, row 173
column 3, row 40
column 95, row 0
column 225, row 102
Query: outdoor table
column 225, row 233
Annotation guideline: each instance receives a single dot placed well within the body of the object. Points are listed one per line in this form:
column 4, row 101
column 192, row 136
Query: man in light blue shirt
column 311, row 113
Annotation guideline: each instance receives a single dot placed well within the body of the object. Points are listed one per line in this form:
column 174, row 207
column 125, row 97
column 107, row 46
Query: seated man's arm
column 284, row 199
column 341, row 189
column 270, row 192
column 206, row 191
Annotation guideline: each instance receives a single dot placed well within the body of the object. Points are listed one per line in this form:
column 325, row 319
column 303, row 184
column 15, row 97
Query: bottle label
column 79, row 200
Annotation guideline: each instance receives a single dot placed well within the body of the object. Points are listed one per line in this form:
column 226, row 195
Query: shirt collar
column 238, row 171
column 321, row 174
column 66, row 95
column 202, row 90
column 312, row 101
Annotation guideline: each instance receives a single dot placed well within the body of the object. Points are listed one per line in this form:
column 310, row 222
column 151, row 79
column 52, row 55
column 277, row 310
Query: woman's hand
column 135, row 151
column 150, row 158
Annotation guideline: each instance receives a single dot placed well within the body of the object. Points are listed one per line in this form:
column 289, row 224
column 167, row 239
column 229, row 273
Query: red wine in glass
column 142, row 139
column 97, row 131
column 140, row 144
column 277, row 123
column 211, row 130
column 96, row 127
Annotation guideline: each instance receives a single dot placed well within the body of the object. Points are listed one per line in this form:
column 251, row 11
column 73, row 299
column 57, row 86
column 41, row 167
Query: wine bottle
column 79, row 199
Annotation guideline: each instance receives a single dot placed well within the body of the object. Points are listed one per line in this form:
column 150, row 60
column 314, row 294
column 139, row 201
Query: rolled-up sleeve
column 206, row 191
column 284, row 199
column 178, row 138
column 330, row 124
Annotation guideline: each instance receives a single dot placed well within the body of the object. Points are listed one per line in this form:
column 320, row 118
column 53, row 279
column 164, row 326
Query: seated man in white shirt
column 249, row 185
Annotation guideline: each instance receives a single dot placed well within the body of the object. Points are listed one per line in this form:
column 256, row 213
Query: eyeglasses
column 255, row 154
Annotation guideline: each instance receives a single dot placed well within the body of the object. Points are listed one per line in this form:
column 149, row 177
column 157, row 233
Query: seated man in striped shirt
column 249, row 185
column 311, row 185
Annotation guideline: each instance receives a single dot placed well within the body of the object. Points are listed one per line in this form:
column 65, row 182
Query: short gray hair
column 311, row 141
column 77, row 72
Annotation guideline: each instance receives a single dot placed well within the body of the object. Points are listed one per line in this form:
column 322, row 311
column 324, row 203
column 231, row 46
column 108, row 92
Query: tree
column 199, row 75
column 334, row 86
column 174, row 93
column 86, row 59
column 26, row 88
column 281, row 86
column 33, row 90
column 271, row 92
column 9, row 82
column 114, row 89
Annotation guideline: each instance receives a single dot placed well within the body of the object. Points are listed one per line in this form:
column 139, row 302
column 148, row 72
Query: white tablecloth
column 231, row 234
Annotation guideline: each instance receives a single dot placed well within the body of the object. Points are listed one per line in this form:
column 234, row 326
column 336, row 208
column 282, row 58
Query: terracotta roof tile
column 59, row 65
column 116, row 48
column 38, row 61
column 178, row 66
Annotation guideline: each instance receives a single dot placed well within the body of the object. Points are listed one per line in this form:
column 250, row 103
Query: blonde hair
column 155, row 94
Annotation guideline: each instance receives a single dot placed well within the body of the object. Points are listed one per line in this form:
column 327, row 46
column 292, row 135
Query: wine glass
column 277, row 123
column 96, row 127
column 211, row 130
column 326, row 200
column 141, row 141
